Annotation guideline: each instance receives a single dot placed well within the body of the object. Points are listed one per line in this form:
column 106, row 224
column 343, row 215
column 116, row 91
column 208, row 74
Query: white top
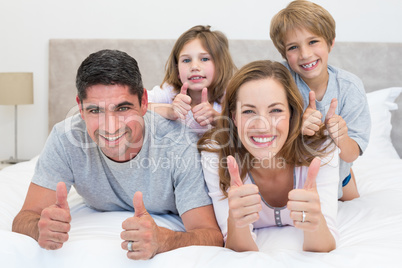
column 327, row 187
column 166, row 95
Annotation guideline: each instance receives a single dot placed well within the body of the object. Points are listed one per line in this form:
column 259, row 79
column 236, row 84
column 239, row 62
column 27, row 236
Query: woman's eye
column 247, row 112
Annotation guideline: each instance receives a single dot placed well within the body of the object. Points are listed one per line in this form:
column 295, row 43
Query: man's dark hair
column 109, row 67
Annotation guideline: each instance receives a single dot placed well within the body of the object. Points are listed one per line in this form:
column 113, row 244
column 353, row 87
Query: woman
column 279, row 180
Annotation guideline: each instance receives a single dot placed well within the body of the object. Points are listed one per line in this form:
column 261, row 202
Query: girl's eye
column 186, row 60
column 205, row 59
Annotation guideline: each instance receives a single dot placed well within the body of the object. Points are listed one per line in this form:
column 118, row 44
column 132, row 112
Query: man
column 118, row 156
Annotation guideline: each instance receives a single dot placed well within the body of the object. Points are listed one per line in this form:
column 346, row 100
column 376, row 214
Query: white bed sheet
column 370, row 231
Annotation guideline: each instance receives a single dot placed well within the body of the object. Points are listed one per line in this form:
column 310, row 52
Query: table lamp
column 15, row 89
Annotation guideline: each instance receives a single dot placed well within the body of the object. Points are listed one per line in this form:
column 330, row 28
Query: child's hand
column 311, row 117
column 306, row 200
column 336, row 126
column 244, row 200
column 204, row 113
column 181, row 103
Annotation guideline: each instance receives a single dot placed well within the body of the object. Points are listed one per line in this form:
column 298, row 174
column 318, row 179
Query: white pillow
column 381, row 103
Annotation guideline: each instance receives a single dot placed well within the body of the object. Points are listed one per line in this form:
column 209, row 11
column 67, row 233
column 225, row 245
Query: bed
column 370, row 226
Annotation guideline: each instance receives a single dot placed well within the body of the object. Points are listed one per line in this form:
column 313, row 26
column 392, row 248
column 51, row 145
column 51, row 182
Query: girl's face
column 196, row 66
column 262, row 117
column 307, row 55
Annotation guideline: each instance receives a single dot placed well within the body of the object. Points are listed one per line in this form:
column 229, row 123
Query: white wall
column 26, row 27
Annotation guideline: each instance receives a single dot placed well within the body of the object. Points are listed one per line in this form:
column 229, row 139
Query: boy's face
column 307, row 55
column 114, row 120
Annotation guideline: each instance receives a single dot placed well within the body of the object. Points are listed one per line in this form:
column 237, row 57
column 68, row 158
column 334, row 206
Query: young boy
column 304, row 34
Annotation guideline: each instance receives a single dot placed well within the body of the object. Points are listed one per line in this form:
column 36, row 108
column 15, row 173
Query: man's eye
column 123, row 109
column 94, row 111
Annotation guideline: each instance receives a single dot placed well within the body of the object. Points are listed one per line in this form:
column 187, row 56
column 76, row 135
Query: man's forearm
column 26, row 222
column 200, row 237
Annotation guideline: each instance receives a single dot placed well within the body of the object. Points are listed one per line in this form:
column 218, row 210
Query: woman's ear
column 233, row 115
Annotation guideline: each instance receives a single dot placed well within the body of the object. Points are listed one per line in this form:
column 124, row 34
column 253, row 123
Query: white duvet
column 370, row 231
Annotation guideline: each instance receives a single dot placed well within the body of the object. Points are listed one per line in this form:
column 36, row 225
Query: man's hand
column 54, row 223
column 141, row 231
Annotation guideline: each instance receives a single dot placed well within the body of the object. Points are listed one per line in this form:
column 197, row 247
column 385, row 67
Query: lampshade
column 16, row 88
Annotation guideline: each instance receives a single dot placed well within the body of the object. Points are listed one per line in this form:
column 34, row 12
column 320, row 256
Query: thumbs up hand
column 335, row 124
column 54, row 222
column 141, row 232
column 182, row 103
column 311, row 118
column 244, row 200
column 306, row 201
column 204, row 113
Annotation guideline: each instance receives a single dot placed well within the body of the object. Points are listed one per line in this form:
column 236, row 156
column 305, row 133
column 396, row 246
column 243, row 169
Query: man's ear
column 144, row 102
column 77, row 99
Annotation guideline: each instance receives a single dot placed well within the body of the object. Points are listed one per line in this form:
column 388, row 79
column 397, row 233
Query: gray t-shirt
column 167, row 170
column 348, row 89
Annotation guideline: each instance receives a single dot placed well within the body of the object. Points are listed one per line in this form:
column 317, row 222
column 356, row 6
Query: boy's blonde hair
column 217, row 45
column 301, row 14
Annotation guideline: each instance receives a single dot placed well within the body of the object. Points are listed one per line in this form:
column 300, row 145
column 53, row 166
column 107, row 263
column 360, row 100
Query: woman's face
column 262, row 117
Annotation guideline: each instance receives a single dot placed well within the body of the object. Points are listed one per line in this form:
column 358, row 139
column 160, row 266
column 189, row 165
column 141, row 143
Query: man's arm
column 45, row 216
column 150, row 239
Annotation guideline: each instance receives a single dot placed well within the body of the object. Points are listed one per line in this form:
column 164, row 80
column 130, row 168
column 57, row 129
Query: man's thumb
column 233, row 168
column 61, row 195
column 139, row 208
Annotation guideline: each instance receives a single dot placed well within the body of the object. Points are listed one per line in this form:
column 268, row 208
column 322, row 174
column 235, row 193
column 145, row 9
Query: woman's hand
column 304, row 204
column 244, row 200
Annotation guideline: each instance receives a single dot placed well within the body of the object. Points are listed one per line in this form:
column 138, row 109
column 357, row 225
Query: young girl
column 197, row 73
column 279, row 180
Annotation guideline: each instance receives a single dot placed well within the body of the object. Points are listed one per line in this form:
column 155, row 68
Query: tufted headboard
column 377, row 64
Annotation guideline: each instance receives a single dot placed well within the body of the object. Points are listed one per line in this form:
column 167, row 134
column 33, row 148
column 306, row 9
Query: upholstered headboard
column 377, row 64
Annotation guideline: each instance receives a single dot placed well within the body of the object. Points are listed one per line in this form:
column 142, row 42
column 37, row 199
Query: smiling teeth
column 263, row 140
column 195, row 77
column 113, row 138
column 310, row 65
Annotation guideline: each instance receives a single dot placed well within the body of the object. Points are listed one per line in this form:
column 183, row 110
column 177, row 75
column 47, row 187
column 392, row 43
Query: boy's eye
column 313, row 42
column 292, row 48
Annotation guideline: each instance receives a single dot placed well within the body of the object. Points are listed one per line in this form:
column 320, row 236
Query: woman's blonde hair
column 217, row 45
column 301, row 14
column 298, row 150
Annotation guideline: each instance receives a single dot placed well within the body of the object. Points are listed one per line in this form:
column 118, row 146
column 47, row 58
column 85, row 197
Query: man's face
column 114, row 120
